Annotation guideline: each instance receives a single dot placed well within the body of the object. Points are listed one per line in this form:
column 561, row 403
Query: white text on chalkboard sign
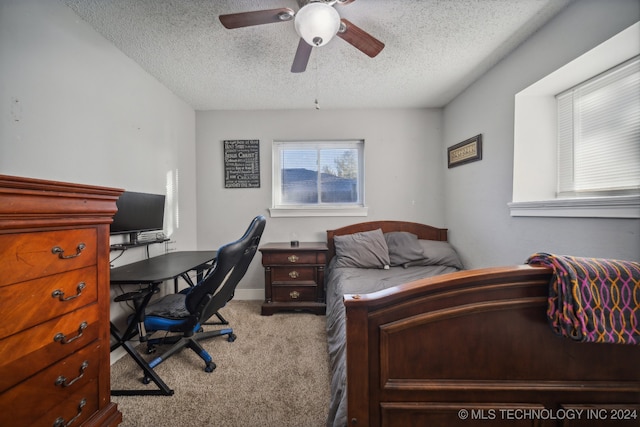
column 242, row 163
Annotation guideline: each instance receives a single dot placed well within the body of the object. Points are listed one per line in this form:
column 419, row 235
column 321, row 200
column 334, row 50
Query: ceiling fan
column 317, row 22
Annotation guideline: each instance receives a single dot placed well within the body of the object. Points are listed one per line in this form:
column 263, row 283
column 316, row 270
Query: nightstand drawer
column 288, row 274
column 286, row 293
column 287, row 258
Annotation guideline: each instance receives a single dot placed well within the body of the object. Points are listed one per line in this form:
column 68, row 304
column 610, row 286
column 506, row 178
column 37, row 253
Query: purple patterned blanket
column 593, row 300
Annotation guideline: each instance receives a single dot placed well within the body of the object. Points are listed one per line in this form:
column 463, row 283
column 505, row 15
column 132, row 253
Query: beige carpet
column 275, row 374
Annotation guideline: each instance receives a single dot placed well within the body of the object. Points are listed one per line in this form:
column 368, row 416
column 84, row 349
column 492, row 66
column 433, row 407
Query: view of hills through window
column 317, row 176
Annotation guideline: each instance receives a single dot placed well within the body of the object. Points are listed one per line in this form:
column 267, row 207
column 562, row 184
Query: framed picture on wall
column 242, row 163
column 467, row 151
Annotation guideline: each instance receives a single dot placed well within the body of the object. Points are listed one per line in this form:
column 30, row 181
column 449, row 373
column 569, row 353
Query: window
column 599, row 134
column 539, row 189
column 313, row 178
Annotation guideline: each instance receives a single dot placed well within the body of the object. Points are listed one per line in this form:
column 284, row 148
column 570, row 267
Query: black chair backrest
column 232, row 260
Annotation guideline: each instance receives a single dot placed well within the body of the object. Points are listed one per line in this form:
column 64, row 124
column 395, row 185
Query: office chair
column 186, row 311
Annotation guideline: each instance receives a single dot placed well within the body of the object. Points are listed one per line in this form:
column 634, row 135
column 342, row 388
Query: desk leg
column 123, row 341
column 200, row 274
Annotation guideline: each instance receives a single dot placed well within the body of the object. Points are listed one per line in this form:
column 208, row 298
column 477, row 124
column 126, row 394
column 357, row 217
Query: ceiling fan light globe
column 317, row 23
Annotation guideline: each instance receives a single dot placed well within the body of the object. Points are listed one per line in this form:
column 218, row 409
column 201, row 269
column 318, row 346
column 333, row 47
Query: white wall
column 403, row 171
column 477, row 193
column 74, row 108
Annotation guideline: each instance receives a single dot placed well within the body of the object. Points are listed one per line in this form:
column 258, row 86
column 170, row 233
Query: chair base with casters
column 167, row 306
column 178, row 342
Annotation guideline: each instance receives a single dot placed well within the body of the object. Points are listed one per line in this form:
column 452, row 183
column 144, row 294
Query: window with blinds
column 599, row 134
column 318, row 174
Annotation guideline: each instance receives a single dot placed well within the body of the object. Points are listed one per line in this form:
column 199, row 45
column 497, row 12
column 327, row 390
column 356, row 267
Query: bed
column 430, row 345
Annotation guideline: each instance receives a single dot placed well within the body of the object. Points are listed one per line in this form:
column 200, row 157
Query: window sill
column 299, row 212
column 587, row 207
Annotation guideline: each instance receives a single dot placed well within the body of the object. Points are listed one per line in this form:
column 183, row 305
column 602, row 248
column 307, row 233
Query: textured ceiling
column 434, row 49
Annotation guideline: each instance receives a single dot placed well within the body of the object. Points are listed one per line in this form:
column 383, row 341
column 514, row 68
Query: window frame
column 279, row 209
column 535, row 139
column 572, row 139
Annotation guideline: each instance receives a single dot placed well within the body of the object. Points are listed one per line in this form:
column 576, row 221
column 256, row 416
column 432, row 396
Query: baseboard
column 249, row 294
column 240, row 294
column 117, row 354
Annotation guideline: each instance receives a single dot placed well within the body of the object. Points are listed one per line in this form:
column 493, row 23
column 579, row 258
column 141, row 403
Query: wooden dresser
column 294, row 277
column 54, row 304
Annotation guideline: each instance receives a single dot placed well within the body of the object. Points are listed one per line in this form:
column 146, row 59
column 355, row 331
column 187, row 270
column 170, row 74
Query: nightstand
column 294, row 277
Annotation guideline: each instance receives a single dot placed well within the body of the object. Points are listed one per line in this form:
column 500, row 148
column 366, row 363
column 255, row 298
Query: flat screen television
column 137, row 213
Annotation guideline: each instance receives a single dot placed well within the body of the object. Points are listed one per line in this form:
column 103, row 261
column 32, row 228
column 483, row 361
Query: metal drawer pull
column 293, row 258
column 60, row 337
column 58, row 250
column 59, row 422
column 62, row 380
column 294, row 274
column 294, row 294
column 60, row 294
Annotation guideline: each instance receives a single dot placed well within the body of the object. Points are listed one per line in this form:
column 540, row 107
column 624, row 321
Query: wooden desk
column 158, row 269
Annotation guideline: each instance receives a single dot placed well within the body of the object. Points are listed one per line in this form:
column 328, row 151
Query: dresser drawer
column 287, row 258
column 297, row 293
column 53, row 387
column 25, row 353
column 33, row 255
column 27, row 304
column 288, row 274
column 78, row 408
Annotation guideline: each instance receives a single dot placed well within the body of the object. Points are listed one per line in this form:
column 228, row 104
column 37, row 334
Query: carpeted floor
column 275, row 374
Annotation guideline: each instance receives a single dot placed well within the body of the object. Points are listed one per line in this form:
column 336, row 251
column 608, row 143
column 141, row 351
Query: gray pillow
column 403, row 247
column 437, row 253
column 363, row 250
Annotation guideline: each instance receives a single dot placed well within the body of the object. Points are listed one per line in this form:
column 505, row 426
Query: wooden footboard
column 475, row 348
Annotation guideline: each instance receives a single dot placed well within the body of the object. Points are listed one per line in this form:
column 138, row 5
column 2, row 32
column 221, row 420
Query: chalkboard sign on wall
column 242, row 164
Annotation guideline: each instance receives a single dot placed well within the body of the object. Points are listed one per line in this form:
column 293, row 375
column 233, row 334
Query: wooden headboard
column 425, row 232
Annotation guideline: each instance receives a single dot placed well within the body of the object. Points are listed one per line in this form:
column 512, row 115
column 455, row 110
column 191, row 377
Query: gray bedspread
column 340, row 281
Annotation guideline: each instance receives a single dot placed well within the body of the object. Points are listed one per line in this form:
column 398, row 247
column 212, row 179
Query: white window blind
column 599, row 134
column 318, row 174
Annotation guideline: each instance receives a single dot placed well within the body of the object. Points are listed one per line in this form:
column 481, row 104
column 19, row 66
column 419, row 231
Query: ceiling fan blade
column 360, row 39
column 258, row 17
column 344, row 2
column 302, row 57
